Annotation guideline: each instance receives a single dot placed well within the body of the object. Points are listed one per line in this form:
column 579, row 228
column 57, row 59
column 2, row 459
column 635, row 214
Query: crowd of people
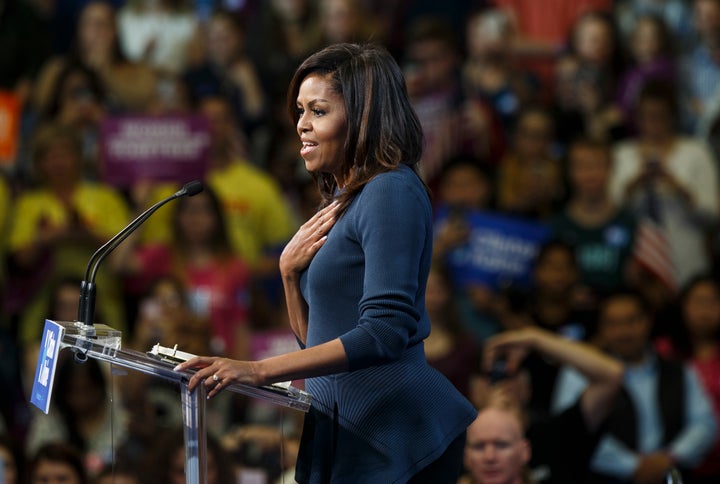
column 590, row 345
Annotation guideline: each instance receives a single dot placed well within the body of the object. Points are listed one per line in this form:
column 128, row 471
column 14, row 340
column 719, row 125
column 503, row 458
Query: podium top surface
column 103, row 343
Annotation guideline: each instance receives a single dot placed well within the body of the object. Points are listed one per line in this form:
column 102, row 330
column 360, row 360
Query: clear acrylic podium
column 103, row 343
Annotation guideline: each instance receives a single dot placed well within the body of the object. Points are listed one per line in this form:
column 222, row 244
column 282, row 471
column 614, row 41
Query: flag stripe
column 652, row 252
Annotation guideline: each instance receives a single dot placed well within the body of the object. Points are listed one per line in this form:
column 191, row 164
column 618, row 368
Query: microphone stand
column 84, row 326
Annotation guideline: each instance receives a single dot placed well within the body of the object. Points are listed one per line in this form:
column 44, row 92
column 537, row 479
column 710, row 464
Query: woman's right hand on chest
column 301, row 249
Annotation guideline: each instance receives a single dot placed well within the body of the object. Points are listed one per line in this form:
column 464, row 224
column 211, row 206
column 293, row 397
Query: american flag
column 652, row 248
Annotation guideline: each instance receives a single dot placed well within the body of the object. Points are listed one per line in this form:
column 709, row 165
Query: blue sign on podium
column 47, row 363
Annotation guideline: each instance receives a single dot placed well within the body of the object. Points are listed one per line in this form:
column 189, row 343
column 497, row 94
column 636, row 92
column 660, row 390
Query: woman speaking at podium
column 354, row 277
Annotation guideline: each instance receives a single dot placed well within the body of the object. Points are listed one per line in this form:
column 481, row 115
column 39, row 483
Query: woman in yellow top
column 55, row 228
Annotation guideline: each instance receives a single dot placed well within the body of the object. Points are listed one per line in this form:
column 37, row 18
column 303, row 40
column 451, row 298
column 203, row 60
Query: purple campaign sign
column 159, row 148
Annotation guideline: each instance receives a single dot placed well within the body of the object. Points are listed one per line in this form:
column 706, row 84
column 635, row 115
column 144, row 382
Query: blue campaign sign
column 500, row 249
column 47, row 362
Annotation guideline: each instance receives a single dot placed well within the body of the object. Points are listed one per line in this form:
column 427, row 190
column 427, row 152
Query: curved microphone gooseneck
column 86, row 306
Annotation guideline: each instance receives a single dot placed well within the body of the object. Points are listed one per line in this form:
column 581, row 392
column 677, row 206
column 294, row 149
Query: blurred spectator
column 491, row 70
column 431, row 66
column 464, row 188
column 78, row 100
column 56, row 227
column 562, row 444
column 57, row 462
column 696, row 338
column 553, row 306
column 529, row 179
column 652, row 53
column 283, row 33
column 700, row 98
column 11, row 461
column 165, row 462
column 449, row 348
column 25, row 44
column 262, row 451
column 675, row 14
column 227, row 71
column 166, row 317
column 601, row 232
column 215, row 279
column 346, row 21
column 286, row 167
column 14, row 411
column 61, row 305
column 670, row 179
column 701, row 69
column 540, row 37
column 7, row 201
column 587, row 77
column 662, row 417
column 129, row 86
column 171, row 97
column 259, row 220
column 157, row 32
column 80, row 414
column 554, row 291
column 117, row 474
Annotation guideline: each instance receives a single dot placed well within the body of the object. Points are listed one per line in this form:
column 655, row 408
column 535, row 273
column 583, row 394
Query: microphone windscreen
column 192, row 188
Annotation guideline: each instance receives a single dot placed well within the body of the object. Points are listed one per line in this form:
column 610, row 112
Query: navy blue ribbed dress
column 391, row 413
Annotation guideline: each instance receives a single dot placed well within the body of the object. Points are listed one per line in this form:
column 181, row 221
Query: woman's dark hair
column 667, row 48
column 660, row 91
column 59, row 452
column 553, row 245
column 117, row 53
column 95, row 86
column 616, row 63
column 383, row 130
column 219, row 239
column 679, row 333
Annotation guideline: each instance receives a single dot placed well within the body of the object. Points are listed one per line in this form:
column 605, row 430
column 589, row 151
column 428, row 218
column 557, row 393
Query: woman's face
column 534, row 135
column 645, row 41
column 555, row 273
column 654, row 120
column 589, row 171
column 702, row 310
column 197, row 219
column 465, row 187
column 8, row 465
column 52, row 472
column 60, row 164
column 79, row 102
column 593, row 41
column 96, row 29
column 340, row 20
column 321, row 125
column 223, row 41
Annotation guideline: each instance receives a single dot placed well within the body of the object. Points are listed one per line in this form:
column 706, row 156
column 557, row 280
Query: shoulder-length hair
column 383, row 130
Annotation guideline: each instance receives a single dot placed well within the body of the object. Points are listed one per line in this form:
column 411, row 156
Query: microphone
column 86, row 306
